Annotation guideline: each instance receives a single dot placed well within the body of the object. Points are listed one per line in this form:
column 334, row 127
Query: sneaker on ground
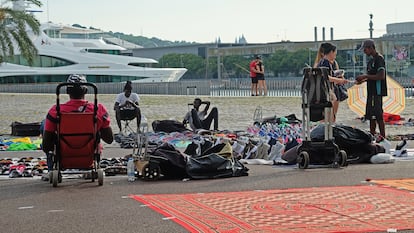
column 401, row 145
column 45, row 177
column 400, row 153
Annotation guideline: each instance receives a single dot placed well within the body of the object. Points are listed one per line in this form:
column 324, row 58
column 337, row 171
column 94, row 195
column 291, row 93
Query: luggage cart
column 317, row 106
column 146, row 168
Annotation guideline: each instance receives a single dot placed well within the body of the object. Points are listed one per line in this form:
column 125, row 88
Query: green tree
column 13, row 25
column 193, row 63
column 236, row 66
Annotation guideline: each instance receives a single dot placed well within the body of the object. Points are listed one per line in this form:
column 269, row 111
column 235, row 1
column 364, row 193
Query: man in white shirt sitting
column 126, row 106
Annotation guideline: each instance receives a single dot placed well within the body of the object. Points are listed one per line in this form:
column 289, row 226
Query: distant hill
column 141, row 40
column 148, row 42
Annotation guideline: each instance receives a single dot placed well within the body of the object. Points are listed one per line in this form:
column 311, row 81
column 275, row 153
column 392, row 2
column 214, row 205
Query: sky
column 204, row 21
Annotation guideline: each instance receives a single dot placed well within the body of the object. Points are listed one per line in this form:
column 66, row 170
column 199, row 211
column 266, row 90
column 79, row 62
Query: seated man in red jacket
column 77, row 102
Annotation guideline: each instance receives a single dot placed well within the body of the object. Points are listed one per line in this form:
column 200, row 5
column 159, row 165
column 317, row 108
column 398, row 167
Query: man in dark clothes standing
column 376, row 79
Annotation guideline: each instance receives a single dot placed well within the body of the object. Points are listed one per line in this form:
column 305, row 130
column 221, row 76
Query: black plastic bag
column 168, row 126
column 214, row 166
column 341, row 92
column 217, row 162
column 171, row 162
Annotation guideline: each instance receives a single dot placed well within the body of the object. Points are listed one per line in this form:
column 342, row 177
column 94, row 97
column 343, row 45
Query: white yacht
column 100, row 61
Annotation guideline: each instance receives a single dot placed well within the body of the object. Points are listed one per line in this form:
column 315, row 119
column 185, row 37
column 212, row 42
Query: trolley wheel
column 94, row 175
column 59, row 177
column 100, row 177
column 151, row 171
column 303, row 160
column 55, row 178
column 50, row 177
column 343, row 158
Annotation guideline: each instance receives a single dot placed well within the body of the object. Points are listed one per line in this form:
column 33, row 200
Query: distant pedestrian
column 253, row 72
column 261, row 85
column 376, row 78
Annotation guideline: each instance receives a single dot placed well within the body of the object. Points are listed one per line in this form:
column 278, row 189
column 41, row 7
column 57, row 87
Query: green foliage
column 147, row 42
column 193, row 63
column 13, row 31
column 140, row 40
column 80, row 26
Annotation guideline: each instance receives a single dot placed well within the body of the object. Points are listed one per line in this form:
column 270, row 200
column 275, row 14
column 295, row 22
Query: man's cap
column 367, row 44
column 258, row 57
column 77, row 78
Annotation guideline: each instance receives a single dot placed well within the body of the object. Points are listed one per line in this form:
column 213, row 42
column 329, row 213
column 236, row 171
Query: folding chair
column 126, row 116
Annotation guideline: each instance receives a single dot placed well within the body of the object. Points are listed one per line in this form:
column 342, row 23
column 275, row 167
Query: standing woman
column 261, row 78
column 319, row 56
column 328, row 60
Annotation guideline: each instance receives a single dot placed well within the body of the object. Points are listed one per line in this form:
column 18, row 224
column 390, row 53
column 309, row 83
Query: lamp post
column 371, row 29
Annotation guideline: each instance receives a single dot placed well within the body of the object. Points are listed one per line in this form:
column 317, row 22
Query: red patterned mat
column 326, row 209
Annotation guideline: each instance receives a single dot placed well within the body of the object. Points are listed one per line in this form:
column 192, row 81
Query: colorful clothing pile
column 19, row 144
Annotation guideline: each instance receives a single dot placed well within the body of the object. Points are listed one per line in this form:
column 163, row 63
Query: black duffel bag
column 217, row 162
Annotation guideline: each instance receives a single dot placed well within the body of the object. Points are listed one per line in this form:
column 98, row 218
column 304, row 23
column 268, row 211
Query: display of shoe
column 45, row 177
column 401, row 145
column 14, row 174
column 400, row 153
column 276, row 151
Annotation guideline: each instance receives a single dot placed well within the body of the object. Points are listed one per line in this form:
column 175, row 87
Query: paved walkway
column 76, row 205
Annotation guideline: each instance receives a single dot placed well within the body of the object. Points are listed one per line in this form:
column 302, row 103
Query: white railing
column 230, row 87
